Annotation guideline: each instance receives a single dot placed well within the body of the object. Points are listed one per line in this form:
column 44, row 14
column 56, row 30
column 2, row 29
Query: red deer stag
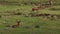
column 16, row 25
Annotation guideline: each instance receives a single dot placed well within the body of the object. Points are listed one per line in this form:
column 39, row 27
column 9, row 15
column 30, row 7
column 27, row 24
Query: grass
column 46, row 26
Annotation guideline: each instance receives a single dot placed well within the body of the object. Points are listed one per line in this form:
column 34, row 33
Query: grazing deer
column 35, row 9
column 42, row 6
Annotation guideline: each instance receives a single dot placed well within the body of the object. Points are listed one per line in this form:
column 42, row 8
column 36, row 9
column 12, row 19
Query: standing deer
column 50, row 2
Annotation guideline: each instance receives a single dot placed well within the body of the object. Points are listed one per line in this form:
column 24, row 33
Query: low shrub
column 54, row 8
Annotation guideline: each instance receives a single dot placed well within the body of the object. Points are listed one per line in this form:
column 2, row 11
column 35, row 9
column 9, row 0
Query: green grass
column 46, row 26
